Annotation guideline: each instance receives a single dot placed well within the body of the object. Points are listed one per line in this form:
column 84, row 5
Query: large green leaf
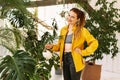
column 8, row 4
column 11, row 38
column 20, row 66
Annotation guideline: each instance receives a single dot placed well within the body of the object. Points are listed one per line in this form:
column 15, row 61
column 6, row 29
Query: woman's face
column 72, row 18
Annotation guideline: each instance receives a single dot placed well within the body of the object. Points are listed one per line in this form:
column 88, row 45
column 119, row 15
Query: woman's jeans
column 69, row 72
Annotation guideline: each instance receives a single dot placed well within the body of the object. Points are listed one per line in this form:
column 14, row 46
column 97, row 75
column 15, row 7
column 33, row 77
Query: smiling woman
column 71, row 45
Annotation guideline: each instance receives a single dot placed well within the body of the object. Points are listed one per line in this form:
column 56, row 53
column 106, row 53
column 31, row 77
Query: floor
column 105, row 75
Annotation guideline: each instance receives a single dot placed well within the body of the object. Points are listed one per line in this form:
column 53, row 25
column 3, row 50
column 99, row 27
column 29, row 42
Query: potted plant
column 20, row 38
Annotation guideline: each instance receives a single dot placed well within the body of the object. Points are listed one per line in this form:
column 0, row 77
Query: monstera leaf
column 20, row 66
column 11, row 38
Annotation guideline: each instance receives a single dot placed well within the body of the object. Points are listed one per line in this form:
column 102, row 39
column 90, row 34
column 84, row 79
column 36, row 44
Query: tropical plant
column 20, row 66
column 11, row 38
column 20, row 39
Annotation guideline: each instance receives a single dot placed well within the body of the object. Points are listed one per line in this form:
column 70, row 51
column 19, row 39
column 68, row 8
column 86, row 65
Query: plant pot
column 58, row 71
column 91, row 72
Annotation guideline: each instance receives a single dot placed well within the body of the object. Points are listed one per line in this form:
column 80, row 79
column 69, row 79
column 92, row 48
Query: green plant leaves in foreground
column 20, row 66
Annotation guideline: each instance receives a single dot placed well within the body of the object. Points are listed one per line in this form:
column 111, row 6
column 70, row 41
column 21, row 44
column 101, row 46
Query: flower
column 47, row 54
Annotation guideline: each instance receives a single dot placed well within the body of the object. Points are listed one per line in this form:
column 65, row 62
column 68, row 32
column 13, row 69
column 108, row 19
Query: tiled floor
column 105, row 75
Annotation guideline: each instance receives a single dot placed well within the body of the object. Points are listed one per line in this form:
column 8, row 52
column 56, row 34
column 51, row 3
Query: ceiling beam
column 84, row 3
column 47, row 3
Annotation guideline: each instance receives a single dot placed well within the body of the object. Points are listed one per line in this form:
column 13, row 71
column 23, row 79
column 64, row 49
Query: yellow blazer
column 79, row 43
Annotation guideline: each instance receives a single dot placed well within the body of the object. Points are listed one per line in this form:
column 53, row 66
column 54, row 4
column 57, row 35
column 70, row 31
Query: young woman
column 71, row 45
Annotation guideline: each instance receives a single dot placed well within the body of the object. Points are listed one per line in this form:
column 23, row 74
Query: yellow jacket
column 79, row 43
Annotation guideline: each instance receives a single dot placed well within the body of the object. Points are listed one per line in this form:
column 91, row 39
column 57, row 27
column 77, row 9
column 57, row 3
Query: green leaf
column 17, row 66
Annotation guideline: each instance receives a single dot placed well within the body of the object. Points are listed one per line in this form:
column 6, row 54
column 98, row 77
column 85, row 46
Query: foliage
column 9, row 4
column 11, row 38
column 103, row 24
column 21, row 34
column 20, row 66
column 35, row 49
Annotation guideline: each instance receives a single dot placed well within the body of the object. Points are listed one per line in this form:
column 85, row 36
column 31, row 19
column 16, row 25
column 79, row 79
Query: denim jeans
column 69, row 72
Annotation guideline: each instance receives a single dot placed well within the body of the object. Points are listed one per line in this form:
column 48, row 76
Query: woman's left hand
column 78, row 50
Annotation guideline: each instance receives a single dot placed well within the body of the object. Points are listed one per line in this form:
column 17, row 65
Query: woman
column 71, row 45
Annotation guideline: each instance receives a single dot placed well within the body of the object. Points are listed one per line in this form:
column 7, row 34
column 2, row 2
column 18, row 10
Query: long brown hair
column 81, row 21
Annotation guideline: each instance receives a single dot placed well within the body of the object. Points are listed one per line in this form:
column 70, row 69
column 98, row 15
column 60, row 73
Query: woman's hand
column 48, row 46
column 78, row 50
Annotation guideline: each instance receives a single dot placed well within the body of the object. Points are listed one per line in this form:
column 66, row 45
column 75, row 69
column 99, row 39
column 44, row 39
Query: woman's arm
column 92, row 43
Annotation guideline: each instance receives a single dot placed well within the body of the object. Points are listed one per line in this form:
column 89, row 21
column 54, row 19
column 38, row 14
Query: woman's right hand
column 48, row 46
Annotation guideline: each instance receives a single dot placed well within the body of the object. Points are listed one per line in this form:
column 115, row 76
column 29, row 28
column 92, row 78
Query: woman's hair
column 81, row 20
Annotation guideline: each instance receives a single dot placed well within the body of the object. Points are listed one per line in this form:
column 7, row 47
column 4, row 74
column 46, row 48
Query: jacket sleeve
column 91, row 42
column 56, row 47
